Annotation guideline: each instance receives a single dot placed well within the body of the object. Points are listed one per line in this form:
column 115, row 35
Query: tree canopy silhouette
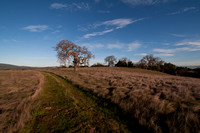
column 110, row 60
column 150, row 62
column 68, row 51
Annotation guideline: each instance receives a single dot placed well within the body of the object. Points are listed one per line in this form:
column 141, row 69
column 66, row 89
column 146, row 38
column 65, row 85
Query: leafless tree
column 110, row 60
column 149, row 61
column 68, row 51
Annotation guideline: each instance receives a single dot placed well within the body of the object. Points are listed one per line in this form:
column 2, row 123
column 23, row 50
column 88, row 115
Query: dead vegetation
column 163, row 103
column 17, row 90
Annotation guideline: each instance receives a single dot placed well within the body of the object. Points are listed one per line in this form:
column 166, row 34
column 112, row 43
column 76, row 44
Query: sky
column 169, row 29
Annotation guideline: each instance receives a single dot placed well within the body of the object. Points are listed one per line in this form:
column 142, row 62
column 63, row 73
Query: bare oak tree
column 68, row 51
column 149, row 61
column 110, row 60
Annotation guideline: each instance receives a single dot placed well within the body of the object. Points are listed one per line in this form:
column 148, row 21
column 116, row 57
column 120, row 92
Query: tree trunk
column 75, row 66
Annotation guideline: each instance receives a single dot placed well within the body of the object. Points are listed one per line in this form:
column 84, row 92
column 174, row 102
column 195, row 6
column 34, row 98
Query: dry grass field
column 17, row 90
column 158, row 101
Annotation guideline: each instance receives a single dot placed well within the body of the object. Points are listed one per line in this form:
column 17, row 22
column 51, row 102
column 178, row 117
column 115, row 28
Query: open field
column 33, row 101
column 17, row 91
column 158, row 101
column 98, row 100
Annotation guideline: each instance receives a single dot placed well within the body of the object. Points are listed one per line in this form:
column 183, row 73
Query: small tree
column 110, row 60
column 130, row 64
column 122, row 63
column 68, row 51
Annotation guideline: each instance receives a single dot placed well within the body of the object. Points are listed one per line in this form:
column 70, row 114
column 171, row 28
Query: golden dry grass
column 17, row 90
column 161, row 102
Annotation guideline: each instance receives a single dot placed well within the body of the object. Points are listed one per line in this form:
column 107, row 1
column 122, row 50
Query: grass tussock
column 18, row 88
column 158, row 101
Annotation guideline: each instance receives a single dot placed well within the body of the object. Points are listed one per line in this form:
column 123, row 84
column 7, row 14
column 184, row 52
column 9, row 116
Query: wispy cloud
column 177, row 49
column 128, row 47
column 178, row 35
column 144, row 2
column 186, row 9
column 80, row 28
column 187, row 46
column 56, row 31
column 93, row 45
column 160, row 55
column 164, row 50
column 113, row 25
column 120, row 23
column 191, row 43
column 58, row 6
column 97, row 33
column 141, row 54
column 36, row 28
column 133, row 46
column 115, row 46
column 71, row 7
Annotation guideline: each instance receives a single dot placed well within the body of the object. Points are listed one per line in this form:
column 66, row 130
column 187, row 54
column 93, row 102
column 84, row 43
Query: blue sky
column 169, row 29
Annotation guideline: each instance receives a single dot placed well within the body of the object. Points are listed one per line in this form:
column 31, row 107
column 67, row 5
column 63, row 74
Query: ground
column 97, row 100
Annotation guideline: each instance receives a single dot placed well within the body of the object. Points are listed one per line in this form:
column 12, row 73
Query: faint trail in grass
column 61, row 107
column 104, row 106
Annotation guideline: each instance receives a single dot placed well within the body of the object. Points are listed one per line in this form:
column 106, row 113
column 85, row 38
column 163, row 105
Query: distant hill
column 192, row 67
column 9, row 66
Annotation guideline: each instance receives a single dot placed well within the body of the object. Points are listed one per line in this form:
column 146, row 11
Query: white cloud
column 169, row 51
column 188, row 9
column 144, row 2
column 133, row 46
column 183, row 10
column 36, row 28
column 118, row 23
column 115, row 24
column 194, row 43
column 71, row 7
column 141, row 54
column 93, row 46
column 58, row 5
column 97, row 33
column 129, row 47
column 164, row 50
column 115, row 46
column 159, row 55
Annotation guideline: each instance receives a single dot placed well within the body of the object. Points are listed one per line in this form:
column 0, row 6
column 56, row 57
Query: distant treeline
column 151, row 63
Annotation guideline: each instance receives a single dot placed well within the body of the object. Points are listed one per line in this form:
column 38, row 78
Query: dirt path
column 61, row 107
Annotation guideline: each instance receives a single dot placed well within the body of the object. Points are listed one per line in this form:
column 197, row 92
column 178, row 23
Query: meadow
column 18, row 88
column 101, row 99
column 161, row 102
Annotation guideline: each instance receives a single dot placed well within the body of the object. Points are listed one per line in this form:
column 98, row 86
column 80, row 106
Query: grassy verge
column 61, row 107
